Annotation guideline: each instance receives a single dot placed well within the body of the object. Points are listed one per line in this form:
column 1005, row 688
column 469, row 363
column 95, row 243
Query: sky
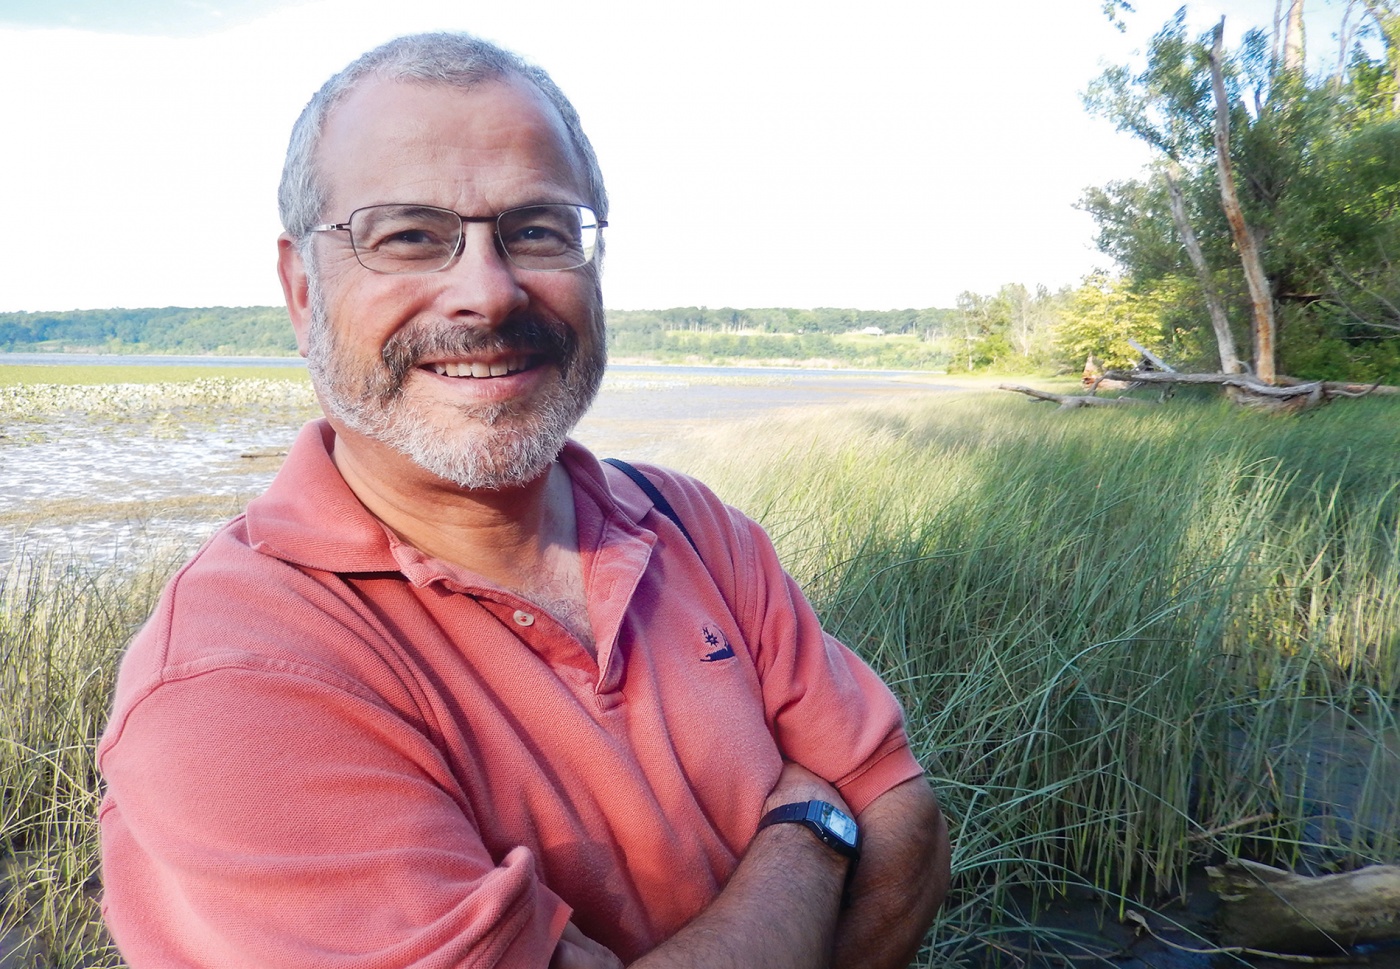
column 878, row 154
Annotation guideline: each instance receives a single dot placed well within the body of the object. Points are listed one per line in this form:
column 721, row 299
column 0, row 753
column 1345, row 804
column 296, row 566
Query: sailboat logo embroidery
column 718, row 644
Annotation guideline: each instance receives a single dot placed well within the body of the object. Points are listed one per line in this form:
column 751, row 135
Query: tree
column 1100, row 317
column 1386, row 16
column 1276, row 193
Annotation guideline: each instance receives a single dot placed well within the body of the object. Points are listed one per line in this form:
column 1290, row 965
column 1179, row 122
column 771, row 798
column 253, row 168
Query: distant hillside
column 224, row 330
column 864, row 338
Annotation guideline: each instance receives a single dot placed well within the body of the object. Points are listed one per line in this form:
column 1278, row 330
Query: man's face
column 478, row 372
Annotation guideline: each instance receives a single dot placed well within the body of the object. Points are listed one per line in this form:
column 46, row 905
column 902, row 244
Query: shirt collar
column 309, row 516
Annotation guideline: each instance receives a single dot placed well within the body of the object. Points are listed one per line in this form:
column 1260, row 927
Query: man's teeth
column 478, row 369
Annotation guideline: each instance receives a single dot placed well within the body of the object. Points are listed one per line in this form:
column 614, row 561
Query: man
column 448, row 695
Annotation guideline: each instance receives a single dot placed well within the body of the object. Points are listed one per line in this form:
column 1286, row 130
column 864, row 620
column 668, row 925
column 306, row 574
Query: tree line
column 222, row 330
column 676, row 335
column 1017, row 329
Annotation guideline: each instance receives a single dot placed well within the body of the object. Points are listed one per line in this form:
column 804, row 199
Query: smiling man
column 453, row 692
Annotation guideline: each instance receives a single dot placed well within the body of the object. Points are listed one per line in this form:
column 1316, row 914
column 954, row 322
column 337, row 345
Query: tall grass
column 62, row 629
column 1127, row 643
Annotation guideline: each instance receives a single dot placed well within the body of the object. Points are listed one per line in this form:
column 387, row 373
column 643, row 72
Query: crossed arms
column 782, row 907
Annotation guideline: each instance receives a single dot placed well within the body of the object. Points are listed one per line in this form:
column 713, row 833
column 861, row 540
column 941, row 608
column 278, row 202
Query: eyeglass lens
column 424, row 239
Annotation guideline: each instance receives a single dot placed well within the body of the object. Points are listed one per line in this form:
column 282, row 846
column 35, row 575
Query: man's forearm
column 900, row 883
column 779, row 910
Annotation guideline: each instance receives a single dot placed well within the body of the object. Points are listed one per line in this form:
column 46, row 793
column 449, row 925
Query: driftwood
column 1287, row 394
column 1092, row 378
column 1070, row 401
column 1267, row 908
column 1284, row 394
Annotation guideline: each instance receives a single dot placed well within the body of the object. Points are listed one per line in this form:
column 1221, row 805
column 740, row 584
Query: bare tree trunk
column 1294, row 45
column 1386, row 13
column 1265, row 327
column 1344, row 37
column 1224, row 339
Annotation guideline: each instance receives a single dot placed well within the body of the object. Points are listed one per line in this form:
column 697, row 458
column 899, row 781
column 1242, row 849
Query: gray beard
column 494, row 446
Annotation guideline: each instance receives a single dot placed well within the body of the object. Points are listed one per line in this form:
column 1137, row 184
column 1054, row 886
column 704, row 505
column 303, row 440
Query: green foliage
column 908, row 339
column 911, row 339
column 924, row 322
column 14, row 375
column 1102, row 315
column 1008, row 331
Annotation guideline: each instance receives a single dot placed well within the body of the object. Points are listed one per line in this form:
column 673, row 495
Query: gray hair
column 454, row 59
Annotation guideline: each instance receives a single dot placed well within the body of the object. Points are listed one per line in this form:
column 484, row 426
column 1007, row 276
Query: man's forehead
column 388, row 103
column 385, row 122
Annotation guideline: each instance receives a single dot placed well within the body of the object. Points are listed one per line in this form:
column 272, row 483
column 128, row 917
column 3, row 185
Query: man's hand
column 577, row 951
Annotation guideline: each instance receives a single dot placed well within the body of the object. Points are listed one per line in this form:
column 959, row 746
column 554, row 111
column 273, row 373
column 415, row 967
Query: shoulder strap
column 652, row 492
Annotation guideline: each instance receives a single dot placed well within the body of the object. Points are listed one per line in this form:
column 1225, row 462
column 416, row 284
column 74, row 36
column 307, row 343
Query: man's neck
column 509, row 536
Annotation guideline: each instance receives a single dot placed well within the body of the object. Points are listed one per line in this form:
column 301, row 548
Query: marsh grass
column 62, row 629
column 1121, row 640
column 1125, row 641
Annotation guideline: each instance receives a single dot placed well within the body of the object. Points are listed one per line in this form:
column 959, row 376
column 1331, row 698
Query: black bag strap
column 652, row 492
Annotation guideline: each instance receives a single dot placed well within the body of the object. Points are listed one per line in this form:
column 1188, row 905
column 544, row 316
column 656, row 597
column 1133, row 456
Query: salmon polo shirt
column 329, row 749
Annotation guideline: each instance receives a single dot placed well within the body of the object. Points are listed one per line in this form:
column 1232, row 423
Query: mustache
column 532, row 335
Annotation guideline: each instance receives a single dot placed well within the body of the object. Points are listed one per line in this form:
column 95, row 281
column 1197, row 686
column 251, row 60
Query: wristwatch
column 834, row 827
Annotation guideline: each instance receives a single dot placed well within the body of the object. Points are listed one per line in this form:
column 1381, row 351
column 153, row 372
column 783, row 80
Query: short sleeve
column 830, row 712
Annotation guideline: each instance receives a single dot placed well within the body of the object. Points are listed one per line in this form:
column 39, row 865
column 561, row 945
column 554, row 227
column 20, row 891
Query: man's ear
column 291, row 270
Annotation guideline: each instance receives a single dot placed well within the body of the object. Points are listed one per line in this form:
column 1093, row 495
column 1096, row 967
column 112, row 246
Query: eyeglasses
column 550, row 237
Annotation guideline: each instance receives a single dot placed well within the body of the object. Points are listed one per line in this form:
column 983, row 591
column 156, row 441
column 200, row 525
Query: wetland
column 1129, row 645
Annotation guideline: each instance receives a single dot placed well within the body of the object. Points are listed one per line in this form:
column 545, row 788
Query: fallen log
column 1070, row 401
column 1268, row 908
column 1288, row 394
column 1286, row 386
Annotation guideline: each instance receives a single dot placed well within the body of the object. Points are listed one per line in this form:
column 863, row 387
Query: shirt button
column 523, row 618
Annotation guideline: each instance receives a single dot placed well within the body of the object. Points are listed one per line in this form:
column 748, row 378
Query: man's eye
column 541, row 234
column 540, row 237
column 410, row 237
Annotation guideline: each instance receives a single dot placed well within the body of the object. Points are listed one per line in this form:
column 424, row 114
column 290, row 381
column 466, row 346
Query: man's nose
column 482, row 281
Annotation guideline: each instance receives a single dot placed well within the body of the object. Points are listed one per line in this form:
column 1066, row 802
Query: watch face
column 839, row 824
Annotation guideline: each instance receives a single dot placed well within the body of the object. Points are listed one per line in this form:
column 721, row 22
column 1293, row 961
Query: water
column 82, row 479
